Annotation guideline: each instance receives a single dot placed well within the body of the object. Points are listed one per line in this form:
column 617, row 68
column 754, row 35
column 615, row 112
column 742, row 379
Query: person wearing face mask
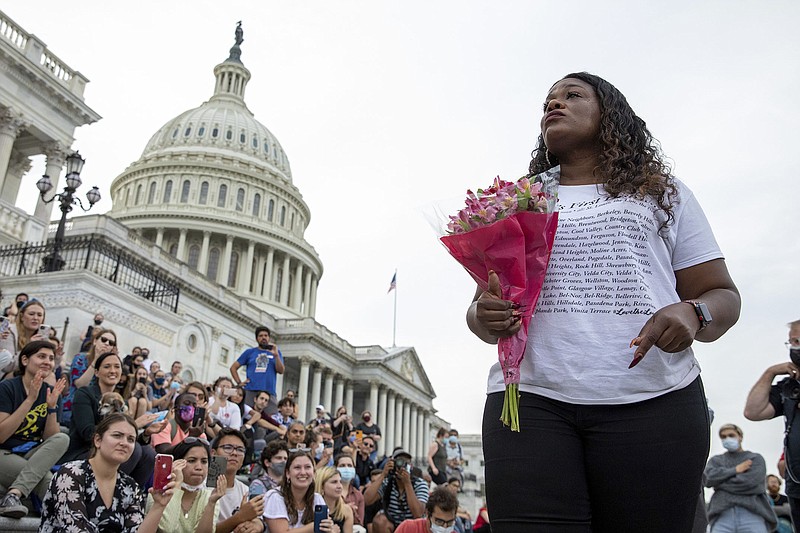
column 181, row 425
column 86, row 338
column 352, row 496
column 273, row 463
column 440, row 515
column 739, row 503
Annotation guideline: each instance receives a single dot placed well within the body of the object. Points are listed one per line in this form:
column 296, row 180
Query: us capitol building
column 204, row 242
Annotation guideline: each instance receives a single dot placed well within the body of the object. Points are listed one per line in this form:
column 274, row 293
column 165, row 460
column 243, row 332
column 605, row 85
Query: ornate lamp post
column 53, row 262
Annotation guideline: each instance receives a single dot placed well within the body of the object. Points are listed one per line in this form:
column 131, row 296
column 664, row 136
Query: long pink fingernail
column 636, row 360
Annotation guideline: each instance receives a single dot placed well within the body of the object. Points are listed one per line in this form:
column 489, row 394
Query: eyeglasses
column 231, row 449
column 106, row 340
column 443, row 523
column 192, row 440
column 793, row 342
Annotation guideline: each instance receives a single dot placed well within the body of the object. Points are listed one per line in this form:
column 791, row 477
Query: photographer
column 767, row 401
column 403, row 496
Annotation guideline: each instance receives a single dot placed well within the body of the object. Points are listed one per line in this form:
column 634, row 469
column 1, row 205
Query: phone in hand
column 256, row 489
column 320, row 514
column 44, row 331
column 199, row 416
column 359, row 435
column 5, row 324
column 228, row 392
column 162, row 472
column 217, row 466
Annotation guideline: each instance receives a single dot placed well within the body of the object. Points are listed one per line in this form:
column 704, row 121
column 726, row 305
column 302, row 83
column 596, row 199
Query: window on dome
column 213, row 264
column 233, row 271
column 283, row 215
column 185, row 191
column 256, row 205
column 270, row 210
column 187, row 132
column 215, row 132
column 175, row 133
column 229, row 134
column 266, row 147
column 203, row 193
column 194, row 256
column 278, row 283
column 151, row 195
column 222, row 199
column 139, row 194
column 167, row 191
column 240, row 200
column 242, row 138
column 201, row 131
column 255, row 141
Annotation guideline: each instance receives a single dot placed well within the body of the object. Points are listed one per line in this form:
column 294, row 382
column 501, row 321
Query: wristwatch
column 702, row 312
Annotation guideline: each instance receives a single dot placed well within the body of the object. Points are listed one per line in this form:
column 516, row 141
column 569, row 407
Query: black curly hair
column 631, row 161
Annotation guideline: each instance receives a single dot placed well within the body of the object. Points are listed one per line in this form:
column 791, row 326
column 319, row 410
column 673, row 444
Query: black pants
column 596, row 468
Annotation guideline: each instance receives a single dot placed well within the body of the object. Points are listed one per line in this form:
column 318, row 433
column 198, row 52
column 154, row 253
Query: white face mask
column 731, row 444
column 442, row 529
column 193, row 488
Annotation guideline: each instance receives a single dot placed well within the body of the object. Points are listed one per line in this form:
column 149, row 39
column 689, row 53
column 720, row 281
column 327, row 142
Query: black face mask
column 98, row 322
column 794, row 355
column 20, row 304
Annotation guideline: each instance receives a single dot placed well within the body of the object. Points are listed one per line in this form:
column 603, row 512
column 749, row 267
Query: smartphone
column 162, row 471
column 217, row 466
column 228, row 392
column 359, row 434
column 256, row 489
column 320, row 514
column 175, row 385
column 44, row 331
column 270, row 347
column 161, row 416
column 199, row 416
column 5, row 324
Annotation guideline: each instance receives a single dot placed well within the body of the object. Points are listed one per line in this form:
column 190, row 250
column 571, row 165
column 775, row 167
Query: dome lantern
column 232, row 76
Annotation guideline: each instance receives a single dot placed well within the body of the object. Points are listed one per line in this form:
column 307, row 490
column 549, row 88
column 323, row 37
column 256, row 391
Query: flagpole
column 394, row 321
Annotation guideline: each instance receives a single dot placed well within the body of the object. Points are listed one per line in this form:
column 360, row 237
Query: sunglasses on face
column 106, row 340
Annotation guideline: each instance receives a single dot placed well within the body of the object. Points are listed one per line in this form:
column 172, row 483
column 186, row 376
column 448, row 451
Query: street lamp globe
column 93, row 195
column 44, row 184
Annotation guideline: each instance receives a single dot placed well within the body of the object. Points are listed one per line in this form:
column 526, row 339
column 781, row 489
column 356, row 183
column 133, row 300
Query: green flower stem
column 510, row 414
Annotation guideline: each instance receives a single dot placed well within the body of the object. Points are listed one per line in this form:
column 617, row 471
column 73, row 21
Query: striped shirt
column 398, row 509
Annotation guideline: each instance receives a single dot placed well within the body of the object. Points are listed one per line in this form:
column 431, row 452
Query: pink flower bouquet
column 509, row 229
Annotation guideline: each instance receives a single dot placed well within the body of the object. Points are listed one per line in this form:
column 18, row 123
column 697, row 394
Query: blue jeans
column 739, row 520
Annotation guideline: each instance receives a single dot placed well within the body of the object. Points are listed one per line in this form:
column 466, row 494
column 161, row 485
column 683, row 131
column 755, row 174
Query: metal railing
column 99, row 256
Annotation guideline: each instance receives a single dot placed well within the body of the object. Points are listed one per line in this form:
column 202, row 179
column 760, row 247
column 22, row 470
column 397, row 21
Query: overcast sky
column 386, row 108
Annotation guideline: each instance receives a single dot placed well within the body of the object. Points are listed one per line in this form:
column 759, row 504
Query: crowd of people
column 84, row 443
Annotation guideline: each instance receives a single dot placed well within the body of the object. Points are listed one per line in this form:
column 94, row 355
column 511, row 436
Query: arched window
column 139, row 194
column 203, row 193
column 201, row 131
column 222, row 199
column 167, row 191
column 194, row 256
column 270, row 210
column 215, row 132
column 187, row 132
column 185, row 191
column 266, row 147
column 229, row 134
column 233, row 271
column 240, row 199
column 255, row 141
column 151, row 195
column 256, row 205
column 242, row 138
column 283, row 215
column 175, row 133
column 278, row 283
column 213, row 263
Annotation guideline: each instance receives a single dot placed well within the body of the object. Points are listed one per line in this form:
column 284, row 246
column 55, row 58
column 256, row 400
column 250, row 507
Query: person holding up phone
column 263, row 364
column 193, row 508
column 291, row 506
column 23, row 330
column 108, row 499
column 182, row 424
column 235, row 508
column 223, row 413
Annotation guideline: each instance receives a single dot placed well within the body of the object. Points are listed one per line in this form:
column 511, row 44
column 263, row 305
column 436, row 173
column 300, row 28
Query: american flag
column 393, row 284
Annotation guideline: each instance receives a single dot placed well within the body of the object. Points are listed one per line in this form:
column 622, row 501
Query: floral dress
column 73, row 503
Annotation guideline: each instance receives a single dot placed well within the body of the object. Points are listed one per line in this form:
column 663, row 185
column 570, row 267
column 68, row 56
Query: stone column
column 222, row 275
column 316, row 385
column 406, row 424
column 181, row 255
column 381, row 419
column 327, row 395
column 426, row 429
column 338, row 398
column 11, row 125
column 159, row 237
column 278, row 387
column 373, row 397
column 307, row 294
column 388, row 430
column 421, row 444
column 297, row 287
column 302, row 387
column 56, row 156
column 398, row 422
column 285, row 282
column 412, row 437
column 313, row 305
column 265, row 290
column 348, row 398
column 202, row 261
column 18, row 166
column 244, row 285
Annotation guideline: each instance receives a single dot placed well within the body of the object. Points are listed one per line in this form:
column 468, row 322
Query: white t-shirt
column 228, row 416
column 275, row 507
column 610, row 270
column 230, row 503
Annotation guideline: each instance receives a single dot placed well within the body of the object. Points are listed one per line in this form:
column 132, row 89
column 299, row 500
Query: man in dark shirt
column 364, row 465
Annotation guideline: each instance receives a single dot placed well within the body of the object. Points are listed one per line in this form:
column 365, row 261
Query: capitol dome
column 213, row 187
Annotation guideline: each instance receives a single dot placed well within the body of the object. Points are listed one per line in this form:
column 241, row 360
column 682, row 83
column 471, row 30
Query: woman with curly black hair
column 614, row 429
